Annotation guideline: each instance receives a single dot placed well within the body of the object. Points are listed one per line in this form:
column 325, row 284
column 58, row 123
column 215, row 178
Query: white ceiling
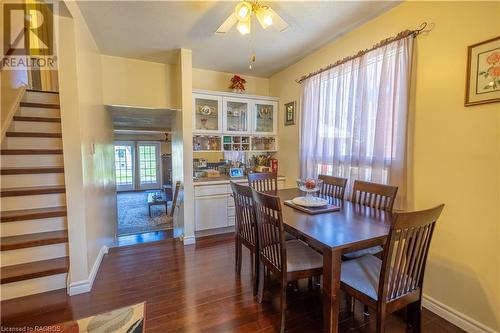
column 151, row 30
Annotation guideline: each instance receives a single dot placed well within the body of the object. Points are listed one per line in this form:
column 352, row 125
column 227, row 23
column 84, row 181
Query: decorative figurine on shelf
column 237, row 84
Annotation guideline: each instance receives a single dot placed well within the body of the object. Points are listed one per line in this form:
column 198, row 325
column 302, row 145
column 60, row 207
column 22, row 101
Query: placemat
column 313, row 210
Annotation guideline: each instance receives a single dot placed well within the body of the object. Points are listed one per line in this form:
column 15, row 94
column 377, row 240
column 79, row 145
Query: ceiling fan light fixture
column 243, row 11
column 264, row 16
column 243, row 27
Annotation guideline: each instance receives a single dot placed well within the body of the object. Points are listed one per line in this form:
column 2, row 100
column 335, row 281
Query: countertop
column 224, row 180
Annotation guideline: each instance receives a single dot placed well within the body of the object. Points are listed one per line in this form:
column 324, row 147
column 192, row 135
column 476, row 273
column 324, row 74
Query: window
column 148, row 163
column 354, row 116
column 123, row 165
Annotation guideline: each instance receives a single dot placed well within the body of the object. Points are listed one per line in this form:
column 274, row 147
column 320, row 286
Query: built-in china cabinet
column 230, row 121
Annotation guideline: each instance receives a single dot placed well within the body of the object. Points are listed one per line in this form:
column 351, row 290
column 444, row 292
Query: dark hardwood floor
column 190, row 289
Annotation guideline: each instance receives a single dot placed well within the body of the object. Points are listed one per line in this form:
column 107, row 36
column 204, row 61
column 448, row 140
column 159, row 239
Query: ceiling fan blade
column 228, row 24
column 278, row 22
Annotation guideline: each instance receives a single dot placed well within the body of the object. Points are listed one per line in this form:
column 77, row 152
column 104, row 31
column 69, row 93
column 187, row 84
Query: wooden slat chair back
column 245, row 216
column 264, row 182
column 174, row 199
column 246, row 229
column 288, row 260
column 333, row 186
column 374, row 195
column 396, row 281
column 406, row 253
column 270, row 231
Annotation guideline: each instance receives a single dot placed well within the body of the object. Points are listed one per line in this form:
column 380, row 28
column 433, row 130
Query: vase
column 239, row 91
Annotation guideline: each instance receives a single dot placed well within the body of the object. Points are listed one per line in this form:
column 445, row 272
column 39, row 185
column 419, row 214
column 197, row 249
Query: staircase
column 34, row 239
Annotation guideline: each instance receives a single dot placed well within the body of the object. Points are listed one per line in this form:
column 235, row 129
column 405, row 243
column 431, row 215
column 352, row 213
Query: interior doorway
column 144, row 196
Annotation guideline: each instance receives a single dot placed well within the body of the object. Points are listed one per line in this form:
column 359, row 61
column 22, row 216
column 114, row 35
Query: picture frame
column 483, row 73
column 290, row 113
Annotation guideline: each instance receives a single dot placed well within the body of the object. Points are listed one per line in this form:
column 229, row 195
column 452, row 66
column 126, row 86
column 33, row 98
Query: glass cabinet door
column 265, row 117
column 236, row 115
column 207, row 113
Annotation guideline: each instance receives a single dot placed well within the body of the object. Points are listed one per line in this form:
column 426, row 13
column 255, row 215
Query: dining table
column 351, row 228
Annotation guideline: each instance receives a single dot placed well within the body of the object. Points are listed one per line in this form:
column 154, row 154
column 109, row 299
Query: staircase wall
column 88, row 151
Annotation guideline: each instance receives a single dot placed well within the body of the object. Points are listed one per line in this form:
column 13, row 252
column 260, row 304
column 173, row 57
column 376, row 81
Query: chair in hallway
column 396, row 281
column 287, row 260
column 246, row 232
column 174, row 199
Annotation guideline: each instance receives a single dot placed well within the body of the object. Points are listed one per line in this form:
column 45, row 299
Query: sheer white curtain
column 354, row 118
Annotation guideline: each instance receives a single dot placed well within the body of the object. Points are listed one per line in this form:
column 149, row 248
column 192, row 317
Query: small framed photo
column 483, row 73
column 290, row 113
column 236, row 172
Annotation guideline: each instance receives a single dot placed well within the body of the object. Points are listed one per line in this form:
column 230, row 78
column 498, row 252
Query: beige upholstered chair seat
column 363, row 252
column 362, row 274
column 300, row 257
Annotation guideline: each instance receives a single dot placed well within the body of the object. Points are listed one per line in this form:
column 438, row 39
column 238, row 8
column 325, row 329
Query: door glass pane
column 206, row 114
column 123, row 165
column 264, row 118
column 237, row 117
column 148, row 156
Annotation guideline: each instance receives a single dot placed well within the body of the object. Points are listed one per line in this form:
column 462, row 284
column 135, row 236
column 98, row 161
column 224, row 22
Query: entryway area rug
column 133, row 217
column 129, row 319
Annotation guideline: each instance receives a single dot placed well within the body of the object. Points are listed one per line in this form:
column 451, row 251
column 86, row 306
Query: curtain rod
column 401, row 35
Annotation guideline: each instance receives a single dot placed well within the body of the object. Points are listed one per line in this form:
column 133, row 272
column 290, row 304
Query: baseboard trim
column 85, row 286
column 455, row 317
column 189, row 240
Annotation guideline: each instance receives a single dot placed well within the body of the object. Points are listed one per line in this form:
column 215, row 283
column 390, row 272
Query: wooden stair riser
column 33, row 240
column 32, row 143
column 40, row 97
column 33, row 201
column 33, row 270
column 33, row 286
column 38, row 225
column 48, row 179
column 31, row 160
column 34, row 135
column 32, row 214
column 37, row 127
column 30, row 254
column 38, row 112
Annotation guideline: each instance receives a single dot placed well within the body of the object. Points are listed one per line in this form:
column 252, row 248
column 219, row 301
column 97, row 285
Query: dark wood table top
column 351, row 228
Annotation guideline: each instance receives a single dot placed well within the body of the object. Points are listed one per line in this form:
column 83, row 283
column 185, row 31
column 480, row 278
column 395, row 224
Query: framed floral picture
column 483, row 73
column 290, row 113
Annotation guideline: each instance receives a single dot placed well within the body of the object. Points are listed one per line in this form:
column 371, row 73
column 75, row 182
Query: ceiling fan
column 242, row 17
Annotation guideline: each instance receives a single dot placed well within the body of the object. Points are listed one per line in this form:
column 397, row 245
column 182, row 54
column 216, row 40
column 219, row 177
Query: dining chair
column 333, row 186
column 396, row 281
column 245, row 229
column 374, row 195
column 378, row 196
column 174, row 199
column 287, row 260
column 264, row 182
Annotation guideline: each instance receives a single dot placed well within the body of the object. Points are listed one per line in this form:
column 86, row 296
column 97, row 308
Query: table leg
column 331, row 290
column 149, row 209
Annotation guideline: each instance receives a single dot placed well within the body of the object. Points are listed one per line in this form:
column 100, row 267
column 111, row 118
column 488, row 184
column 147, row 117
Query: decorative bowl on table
column 310, row 187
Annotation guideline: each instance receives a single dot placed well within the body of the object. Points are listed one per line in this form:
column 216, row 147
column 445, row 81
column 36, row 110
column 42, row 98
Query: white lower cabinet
column 211, row 212
column 214, row 206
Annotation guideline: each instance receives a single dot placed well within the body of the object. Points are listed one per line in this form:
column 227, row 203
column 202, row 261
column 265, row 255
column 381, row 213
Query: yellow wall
column 456, row 159
column 220, row 81
column 88, row 147
column 134, row 82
